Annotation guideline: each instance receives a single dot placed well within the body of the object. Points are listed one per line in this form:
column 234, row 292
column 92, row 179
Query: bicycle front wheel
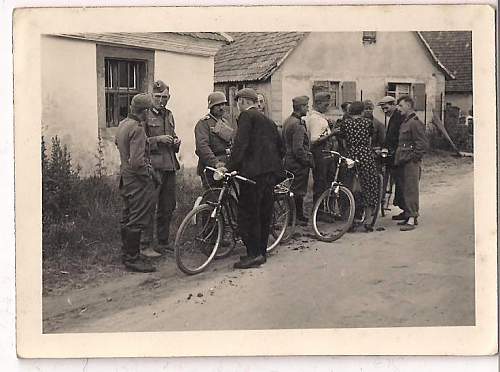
column 333, row 213
column 197, row 239
column 280, row 219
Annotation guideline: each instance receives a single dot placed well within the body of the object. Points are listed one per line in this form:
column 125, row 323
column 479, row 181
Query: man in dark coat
column 298, row 157
column 412, row 146
column 213, row 136
column 390, row 109
column 136, row 183
column 257, row 154
column 164, row 145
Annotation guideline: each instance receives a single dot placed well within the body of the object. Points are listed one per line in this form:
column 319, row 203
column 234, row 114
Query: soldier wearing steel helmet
column 213, row 136
column 164, row 145
column 136, row 184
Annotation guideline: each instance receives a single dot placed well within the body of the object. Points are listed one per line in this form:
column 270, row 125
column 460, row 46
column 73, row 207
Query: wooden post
column 425, row 110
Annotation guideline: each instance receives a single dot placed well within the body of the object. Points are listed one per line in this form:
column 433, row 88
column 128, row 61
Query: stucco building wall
column 69, row 97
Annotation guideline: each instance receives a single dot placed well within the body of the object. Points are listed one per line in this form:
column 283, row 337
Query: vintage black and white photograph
column 220, row 180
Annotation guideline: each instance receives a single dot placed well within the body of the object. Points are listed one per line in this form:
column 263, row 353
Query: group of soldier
column 256, row 149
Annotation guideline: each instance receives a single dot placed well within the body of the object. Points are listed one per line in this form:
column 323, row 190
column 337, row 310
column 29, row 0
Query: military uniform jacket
column 413, row 142
column 210, row 145
column 298, row 155
column 163, row 156
column 257, row 147
column 132, row 145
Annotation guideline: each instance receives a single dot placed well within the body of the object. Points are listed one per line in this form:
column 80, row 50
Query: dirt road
column 382, row 279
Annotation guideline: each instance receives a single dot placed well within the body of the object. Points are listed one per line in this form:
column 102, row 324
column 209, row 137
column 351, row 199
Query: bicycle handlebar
column 339, row 155
column 233, row 174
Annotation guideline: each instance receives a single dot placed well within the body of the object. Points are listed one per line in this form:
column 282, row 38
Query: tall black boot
column 299, row 207
column 123, row 234
column 132, row 258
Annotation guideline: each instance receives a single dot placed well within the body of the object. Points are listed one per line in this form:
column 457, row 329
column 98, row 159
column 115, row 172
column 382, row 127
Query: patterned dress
column 357, row 132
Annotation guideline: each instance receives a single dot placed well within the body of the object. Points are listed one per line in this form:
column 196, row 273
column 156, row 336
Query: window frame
column 104, row 52
column 369, row 37
column 395, row 93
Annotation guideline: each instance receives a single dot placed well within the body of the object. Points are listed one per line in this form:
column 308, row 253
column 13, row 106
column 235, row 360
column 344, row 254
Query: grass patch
column 81, row 242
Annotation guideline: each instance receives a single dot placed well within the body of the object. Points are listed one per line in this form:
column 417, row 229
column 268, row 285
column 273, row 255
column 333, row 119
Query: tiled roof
column 454, row 50
column 219, row 36
column 254, row 55
column 208, row 43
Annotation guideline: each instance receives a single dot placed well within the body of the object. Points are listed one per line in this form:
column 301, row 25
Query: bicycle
column 336, row 203
column 284, row 203
column 388, row 183
column 202, row 230
column 215, row 222
column 284, row 207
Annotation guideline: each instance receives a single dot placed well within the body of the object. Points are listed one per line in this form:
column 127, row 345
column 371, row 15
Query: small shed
column 349, row 65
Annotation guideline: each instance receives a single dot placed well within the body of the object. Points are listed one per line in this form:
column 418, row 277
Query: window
column 369, row 37
column 398, row 90
column 416, row 90
column 123, row 80
column 331, row 87
column 121, row 74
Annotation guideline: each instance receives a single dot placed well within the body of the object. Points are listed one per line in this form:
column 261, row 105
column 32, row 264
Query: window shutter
column 419, row 96
column 349, row 91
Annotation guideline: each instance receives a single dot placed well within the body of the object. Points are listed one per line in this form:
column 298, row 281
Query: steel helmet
column 141, row 101
column 216, row 98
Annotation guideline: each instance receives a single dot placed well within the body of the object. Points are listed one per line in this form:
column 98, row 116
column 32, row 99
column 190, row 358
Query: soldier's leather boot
column 132, row 258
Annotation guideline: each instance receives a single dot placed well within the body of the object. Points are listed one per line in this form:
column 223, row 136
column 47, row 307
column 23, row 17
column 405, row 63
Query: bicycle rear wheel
column 292, row 221
column 197, row 239
column 333, row 213
column 280, row 219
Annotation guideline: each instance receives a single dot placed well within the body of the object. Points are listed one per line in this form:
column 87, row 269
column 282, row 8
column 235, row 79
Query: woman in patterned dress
column 357, row 132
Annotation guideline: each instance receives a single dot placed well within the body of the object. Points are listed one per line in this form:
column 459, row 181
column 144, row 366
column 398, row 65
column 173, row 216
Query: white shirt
column 317, row 125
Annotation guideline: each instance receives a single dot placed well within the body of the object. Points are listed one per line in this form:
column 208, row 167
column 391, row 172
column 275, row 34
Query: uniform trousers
column 255, row 209
column 163, row 207
column 410, row 173
column 397, row 175
column 137, row 195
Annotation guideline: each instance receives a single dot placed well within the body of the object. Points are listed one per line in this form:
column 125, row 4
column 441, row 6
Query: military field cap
column 386, row 100
column 141, row 101
column 322, row 97
column 248, row 93
column 216, row 98
column 301, row 100
column 160, row 88
column 356, row 108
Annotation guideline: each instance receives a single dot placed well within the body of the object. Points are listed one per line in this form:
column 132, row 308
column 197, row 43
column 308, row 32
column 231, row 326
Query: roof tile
column 454, row 50
column 253, row 55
